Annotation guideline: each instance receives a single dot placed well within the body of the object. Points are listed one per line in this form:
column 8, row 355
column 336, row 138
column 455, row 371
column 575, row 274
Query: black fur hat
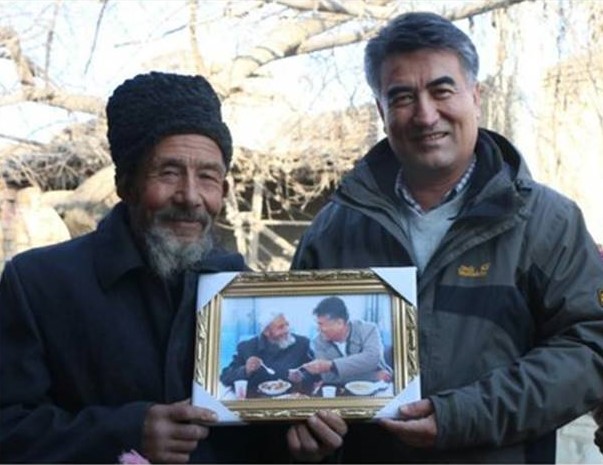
column 148, row 107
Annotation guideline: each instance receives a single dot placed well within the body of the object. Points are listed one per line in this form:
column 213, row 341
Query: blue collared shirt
column 405, row 195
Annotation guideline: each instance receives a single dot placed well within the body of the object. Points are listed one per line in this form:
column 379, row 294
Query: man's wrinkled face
column 278, row 333
column 332, row 329
column 177, row 195
column 430, row 109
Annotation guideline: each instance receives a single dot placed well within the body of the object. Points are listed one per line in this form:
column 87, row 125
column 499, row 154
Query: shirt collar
column 404, row 194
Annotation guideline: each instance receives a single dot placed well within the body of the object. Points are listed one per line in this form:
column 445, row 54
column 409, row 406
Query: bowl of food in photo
column 361, row 388
column 274, row 387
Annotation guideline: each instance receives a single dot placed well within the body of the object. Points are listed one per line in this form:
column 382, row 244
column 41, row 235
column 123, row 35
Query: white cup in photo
column 240, row 386
column 328, row 391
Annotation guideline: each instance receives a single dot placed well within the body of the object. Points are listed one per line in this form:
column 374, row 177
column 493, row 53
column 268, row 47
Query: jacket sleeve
column 304, row 257
column 316, row 248
column 32, row 427
column 561, row 377
column 236, row 369
column 367, row 359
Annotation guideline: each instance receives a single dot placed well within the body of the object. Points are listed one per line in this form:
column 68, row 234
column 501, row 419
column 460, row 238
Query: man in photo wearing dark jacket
column 275, row 353
column 97, row 333
column 509, row 279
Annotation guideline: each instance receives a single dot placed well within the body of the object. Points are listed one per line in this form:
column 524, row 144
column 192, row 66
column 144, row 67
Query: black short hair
column 410, row 32
column 333, row 308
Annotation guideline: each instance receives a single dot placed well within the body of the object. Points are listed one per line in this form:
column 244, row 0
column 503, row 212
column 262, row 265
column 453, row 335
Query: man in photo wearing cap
column 96, row 334
column 269, row 355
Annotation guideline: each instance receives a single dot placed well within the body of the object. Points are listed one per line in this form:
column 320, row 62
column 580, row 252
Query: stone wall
column 26, row 222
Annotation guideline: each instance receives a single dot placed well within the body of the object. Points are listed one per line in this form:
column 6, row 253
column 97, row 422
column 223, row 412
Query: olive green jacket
column 510, row 305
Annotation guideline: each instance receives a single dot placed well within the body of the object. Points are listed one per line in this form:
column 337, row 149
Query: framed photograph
column 282, row 345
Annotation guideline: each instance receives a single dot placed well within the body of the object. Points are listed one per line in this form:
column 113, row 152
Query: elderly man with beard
column 275, row 348
column 96, row 334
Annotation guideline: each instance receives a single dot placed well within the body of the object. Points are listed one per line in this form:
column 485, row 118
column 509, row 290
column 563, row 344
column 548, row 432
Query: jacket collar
column 116, row 252
column 499, row 177
column 499, row 174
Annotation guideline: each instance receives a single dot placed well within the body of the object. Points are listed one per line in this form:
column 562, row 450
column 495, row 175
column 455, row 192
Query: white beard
column 286, row 342
column 167, row 255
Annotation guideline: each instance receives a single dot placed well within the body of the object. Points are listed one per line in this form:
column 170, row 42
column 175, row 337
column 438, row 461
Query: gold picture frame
column 295, row 293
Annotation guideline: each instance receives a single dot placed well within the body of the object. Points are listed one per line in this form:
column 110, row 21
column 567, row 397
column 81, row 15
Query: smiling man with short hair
column 346, row 350
column 510, row 319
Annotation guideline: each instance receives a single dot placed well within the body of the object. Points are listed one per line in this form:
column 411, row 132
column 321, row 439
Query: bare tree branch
column 241, row 9
column 56, row 98
column 23, row 141
column 50, row 40
column 325, row 42
column 99, row 20
column 23, row 67
column 199, row 64
column 386, row 9
column 353, row 8
column 296, row 37
column 282, row 42
column 478, row 8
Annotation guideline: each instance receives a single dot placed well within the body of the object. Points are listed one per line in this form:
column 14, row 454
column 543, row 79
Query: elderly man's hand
column 317, row 438
column 295, row 376
column 252, row 364
column 171, row 432
column 417, row 424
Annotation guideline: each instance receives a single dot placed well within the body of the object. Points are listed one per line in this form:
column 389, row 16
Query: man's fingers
column 417, row 433
column 293, row 439
column 183, row 412
column 306, row 439
column 172, row 431
column 415, row 410
column 301, row 444
column 190, row 432
column 309, row 446
column 334, row 423
column 318, row 437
